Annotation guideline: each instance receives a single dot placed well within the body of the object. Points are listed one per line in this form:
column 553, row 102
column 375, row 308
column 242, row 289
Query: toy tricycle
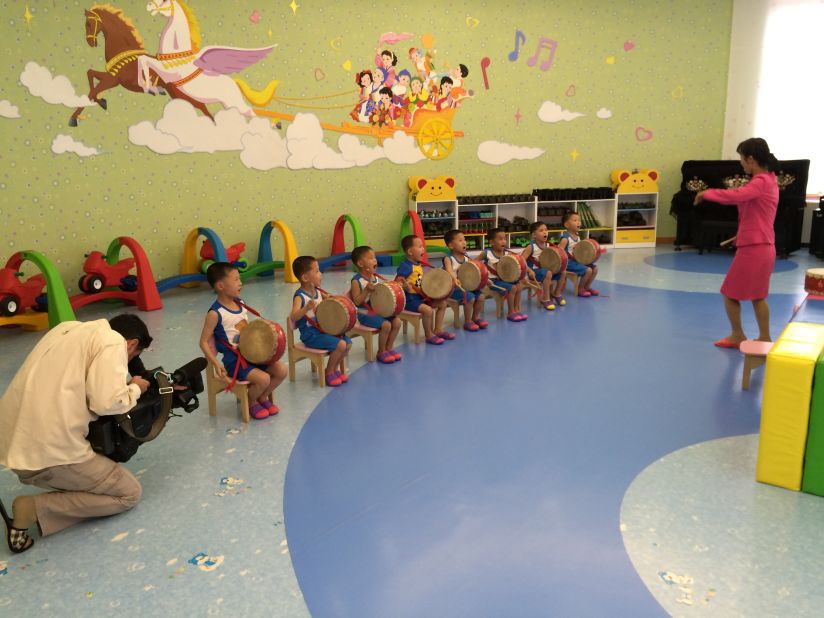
column 233, row 256
column 99, row 274
column 16, row 295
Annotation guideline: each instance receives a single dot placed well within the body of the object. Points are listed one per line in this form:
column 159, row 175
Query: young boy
column 572, row 223
column 552, row 287
column 306, row 299
column 363, row 284
column 472, row 301
column 496, row 239
column 224, row 321
column 410, row 273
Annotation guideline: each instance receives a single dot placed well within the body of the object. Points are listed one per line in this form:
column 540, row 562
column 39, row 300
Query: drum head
column 387, row 299
column 469, row 275
column 815, row 273
column 333, row 316
column 437, row 284
column 585, row 252
column 509, row 268
column 550, row 259
column 258, row 341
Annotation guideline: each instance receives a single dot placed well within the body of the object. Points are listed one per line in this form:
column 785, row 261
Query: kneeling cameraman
column 77, row 371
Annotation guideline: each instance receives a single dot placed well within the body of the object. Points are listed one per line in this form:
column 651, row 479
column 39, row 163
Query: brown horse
column 123, row 47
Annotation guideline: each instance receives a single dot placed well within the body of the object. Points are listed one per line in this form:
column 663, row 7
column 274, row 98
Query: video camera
column 119, row 436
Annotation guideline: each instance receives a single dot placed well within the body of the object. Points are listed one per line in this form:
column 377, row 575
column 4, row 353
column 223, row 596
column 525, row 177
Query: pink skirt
column 749, row 275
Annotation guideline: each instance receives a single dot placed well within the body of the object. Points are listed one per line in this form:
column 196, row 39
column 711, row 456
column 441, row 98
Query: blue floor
column 490, row 485
column 716, row 263
column 494, row 483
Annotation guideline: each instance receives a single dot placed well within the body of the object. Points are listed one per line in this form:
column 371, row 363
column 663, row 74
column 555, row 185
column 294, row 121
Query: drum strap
column 241, row 362
column 166, row 390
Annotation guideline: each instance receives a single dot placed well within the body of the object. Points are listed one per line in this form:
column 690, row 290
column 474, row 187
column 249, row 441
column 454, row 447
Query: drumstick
column 724, row 243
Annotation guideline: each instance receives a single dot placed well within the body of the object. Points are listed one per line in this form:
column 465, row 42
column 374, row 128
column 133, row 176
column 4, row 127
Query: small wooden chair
column 216, row 385
column 499, row 301
column 416, row 320
column 297, row 351
column 368, row 335
column 456, row 312
column 575, row 280
column 755, row 355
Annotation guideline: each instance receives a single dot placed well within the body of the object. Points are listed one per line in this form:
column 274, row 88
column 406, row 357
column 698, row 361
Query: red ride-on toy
column 233, row 255
column 99, row 274
column 16, row 295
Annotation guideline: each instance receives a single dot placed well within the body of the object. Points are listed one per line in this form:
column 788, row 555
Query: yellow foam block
column 785, row 410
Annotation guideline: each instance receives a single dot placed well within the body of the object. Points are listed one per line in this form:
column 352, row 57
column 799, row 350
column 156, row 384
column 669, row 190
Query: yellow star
column 28, row 16
column 294, row 5
column 574, row 154
column 270, row 32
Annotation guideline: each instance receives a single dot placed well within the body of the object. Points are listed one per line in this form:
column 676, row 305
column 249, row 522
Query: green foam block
column 813, row 479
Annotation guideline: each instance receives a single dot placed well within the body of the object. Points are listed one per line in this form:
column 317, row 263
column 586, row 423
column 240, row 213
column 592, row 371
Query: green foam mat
column 813, row 480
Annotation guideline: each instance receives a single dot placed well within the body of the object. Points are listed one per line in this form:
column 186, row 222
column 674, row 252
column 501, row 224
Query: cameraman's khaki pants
column 94, row 488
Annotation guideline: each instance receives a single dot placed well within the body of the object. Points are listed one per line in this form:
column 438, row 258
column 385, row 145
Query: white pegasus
column 203, row 74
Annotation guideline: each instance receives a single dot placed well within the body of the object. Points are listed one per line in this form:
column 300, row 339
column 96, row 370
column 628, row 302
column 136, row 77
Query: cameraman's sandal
column 76, row 372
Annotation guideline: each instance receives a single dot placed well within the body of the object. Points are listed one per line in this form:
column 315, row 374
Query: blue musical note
column 519, row 39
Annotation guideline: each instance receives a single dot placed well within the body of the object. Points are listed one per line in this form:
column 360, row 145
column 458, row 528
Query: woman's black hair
column 391, row 54
column 758, row 149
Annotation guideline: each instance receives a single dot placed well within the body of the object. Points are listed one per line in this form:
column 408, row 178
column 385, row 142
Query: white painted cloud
column 7, row 110
column 552, row 112
column 66, row 143
column 57, row 90
column 498, row 153
column 262, row 147
column 604, row 113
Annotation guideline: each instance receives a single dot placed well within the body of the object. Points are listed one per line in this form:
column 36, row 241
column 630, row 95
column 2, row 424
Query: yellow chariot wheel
column 436, row 139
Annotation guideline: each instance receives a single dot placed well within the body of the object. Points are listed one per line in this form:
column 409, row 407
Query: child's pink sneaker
column 472, row 327
column 258, row 411
column 481, row 323
column 593, row 291
column 395, row 355
column 332, row 379
column 273, row 409
column 584, row 293
column 446, row 336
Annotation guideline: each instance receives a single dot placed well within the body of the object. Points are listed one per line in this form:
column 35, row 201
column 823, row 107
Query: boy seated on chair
column 410, row 274
column 472, row 300
column 362, row 285
column 224, row 321
column 306, row 299
column 571, row 237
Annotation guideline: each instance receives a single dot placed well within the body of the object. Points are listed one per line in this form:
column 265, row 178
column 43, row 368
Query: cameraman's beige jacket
column 77, row 371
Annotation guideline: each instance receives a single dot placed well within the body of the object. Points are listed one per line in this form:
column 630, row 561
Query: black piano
column 706, row 225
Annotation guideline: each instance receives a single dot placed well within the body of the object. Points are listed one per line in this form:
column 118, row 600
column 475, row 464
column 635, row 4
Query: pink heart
column 642, row 134
column 628, row 45
column 255, row 16
column 570, row 92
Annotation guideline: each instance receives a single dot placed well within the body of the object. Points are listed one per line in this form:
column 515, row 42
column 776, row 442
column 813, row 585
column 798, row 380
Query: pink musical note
column 544, row 43
column 485, row 62
column 513, row 55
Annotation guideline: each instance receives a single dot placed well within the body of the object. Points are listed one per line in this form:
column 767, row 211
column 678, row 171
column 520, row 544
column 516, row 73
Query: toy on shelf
column 99, row 274
column 108, row 277
column 17, row 295
column 30, row 294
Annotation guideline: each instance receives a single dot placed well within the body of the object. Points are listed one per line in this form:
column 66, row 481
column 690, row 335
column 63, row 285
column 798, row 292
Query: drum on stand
column 473, row 275
column 511, row 268
column 437, row 284
column 387, row 299
column 554, row 259
column 586, row 252
column 814, row 281
column 336, row 315
column 262, row 342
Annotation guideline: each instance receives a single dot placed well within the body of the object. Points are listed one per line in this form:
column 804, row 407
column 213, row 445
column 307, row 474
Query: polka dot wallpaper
column 658, row 70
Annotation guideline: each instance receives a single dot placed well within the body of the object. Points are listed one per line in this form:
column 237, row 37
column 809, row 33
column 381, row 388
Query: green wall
column 672, row 82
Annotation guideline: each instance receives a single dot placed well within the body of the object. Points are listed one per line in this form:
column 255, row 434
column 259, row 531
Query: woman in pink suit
column 749, row 275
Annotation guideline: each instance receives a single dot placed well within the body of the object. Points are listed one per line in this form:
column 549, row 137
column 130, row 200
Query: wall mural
column 407, row 107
